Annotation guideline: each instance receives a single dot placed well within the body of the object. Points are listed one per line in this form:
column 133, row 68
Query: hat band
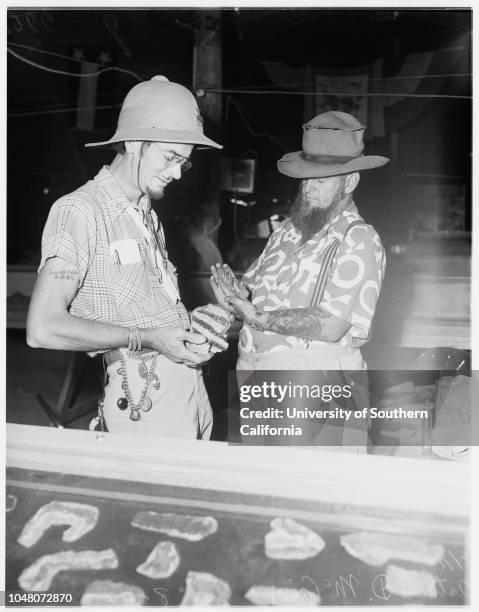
column 166, row 117
column 329, row 159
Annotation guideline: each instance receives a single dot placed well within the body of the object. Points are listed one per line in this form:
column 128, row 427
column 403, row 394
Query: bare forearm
column 313, row 323
column 69, row 333
column 50, row 324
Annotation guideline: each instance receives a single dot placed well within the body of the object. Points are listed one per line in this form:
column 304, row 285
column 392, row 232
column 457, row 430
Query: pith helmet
column 160, row 111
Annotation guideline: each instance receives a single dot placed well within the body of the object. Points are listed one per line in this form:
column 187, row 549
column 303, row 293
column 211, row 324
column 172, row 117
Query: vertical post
column 397, row 188
column 86, row 100
column 207, row 73
column 309, row 101
column 468, row 193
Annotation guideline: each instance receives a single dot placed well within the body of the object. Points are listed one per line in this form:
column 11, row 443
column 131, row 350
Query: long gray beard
column 308, row 220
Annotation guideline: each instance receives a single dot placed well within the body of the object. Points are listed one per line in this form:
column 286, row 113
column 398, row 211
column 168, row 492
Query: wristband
column 255, row 321
column 135, row 340
column 131, row 339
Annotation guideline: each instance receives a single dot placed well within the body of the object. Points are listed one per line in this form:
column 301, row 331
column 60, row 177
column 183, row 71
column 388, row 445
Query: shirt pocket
column 129, row 283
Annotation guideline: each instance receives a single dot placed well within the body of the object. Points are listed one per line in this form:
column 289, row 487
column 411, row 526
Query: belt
column 115, row 355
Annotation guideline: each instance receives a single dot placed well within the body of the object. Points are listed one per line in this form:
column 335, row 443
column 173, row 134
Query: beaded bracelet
column 134, row 340
column 131, row 334
column 255, row 321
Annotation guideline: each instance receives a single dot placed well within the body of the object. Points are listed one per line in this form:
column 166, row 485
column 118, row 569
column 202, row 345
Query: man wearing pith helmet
column 308, row 301
column 105, row 283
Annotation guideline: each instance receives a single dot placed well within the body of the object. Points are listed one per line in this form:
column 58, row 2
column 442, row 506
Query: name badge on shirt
column 126, row 251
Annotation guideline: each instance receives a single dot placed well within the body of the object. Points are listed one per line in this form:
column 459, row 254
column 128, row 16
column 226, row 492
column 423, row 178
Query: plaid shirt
column 285, row 274
column 80, row 228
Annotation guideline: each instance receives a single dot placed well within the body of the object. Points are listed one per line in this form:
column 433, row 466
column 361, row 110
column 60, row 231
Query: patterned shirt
column 83, row 228
column 285, row 274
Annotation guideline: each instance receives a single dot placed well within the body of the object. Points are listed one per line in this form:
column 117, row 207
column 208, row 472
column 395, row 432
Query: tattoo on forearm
column 299, row 322
column 63, row 274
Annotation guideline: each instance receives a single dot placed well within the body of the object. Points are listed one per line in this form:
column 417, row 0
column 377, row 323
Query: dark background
column 46, row 157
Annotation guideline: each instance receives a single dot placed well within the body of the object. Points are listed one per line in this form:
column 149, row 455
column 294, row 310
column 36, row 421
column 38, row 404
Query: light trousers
column 180, row 407
column 331, row 357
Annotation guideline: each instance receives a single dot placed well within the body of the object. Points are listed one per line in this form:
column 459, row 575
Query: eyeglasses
column 173, row 159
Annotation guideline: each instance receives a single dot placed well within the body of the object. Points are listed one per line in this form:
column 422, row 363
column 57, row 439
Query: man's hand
column 246, row 311
column 312, row 323
column 235, row 295
column 170, row 342
column 225, row 284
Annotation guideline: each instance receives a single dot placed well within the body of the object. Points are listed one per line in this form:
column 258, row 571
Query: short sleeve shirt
column 285, row 276
column 81, row 229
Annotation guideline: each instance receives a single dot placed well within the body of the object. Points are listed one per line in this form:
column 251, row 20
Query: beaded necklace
column 144, row 404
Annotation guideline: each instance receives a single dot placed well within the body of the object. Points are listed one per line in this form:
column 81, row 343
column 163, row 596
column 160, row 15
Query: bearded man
column 308, row 301
column 315, row 286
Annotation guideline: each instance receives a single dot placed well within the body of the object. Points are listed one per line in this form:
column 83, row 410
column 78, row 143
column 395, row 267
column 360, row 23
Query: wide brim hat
column 332, row 145
column 160, row 111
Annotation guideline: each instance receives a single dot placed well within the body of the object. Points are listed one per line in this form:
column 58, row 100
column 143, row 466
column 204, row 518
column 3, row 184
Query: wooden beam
column 207, row 73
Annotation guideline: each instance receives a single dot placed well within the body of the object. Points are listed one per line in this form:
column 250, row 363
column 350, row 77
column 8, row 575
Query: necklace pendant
column 122, row 403
column 142, row 370
column 135, row 414
column 156, row 382
column 146, row 404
